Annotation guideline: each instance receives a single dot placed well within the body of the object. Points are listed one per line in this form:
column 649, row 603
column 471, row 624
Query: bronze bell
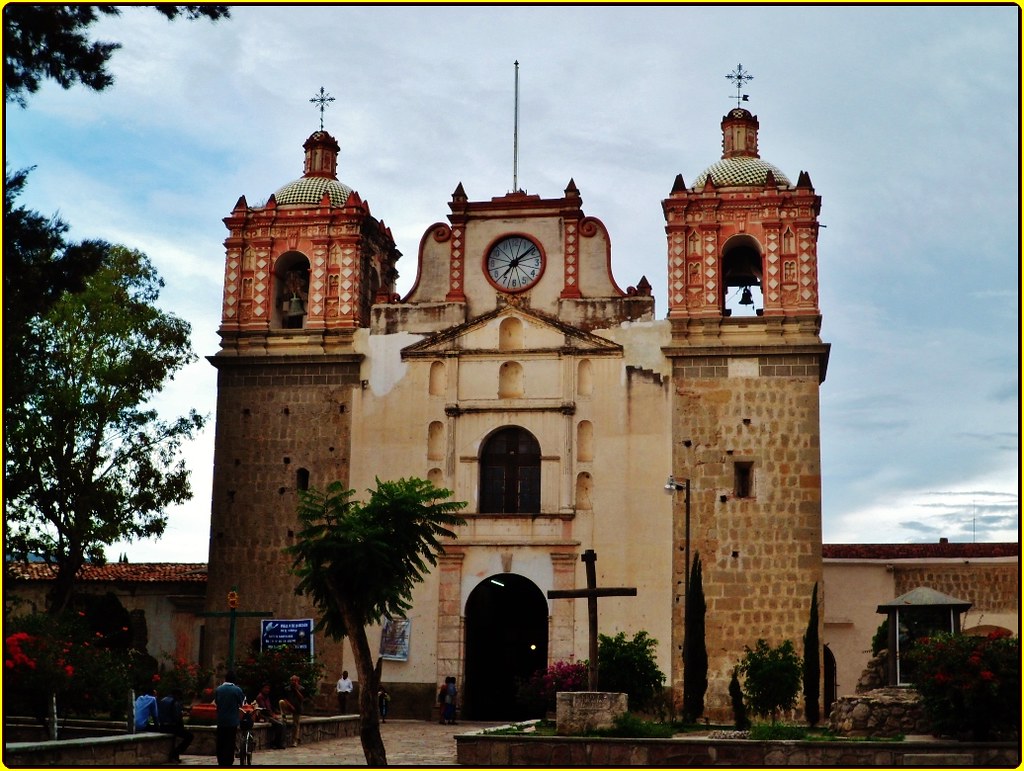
column 746, row 298
column 295, row 307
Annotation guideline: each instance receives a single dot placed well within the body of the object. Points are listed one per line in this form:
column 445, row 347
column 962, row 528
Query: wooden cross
column 589, row 557
column 232, row 613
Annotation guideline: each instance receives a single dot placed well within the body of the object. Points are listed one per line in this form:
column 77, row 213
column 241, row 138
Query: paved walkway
column 407, row 743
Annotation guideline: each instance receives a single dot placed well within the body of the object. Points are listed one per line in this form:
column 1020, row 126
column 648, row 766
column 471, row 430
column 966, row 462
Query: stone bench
column 144, row 749
column 311, row 730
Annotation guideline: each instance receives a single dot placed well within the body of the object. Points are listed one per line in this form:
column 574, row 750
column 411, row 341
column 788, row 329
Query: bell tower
column 747, row 363
column 301, row 273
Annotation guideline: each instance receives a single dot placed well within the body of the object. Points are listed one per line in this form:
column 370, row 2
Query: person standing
column 343, row 688
column 450, row 699
column 291, row 704
column 147, row 718
column 172, row 722
column 229, row 699
column 383, row 703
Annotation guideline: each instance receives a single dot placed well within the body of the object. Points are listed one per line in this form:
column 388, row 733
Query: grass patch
column 777, row 732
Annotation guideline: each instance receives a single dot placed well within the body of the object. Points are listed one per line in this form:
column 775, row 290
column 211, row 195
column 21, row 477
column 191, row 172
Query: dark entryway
column 506, row 642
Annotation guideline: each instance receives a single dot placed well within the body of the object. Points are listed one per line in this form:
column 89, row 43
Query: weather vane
column 739, row 77
column 321, row 100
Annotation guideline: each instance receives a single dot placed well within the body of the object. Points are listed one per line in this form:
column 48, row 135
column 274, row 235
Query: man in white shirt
column 343, row 688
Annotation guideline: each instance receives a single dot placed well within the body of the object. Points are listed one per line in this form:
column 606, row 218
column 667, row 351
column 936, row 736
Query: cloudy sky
column 906, row 119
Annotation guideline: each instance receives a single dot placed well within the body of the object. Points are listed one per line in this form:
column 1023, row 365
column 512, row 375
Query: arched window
column 510, row 473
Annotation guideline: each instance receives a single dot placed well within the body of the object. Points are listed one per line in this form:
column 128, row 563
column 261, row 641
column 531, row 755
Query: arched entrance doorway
column 506, row 642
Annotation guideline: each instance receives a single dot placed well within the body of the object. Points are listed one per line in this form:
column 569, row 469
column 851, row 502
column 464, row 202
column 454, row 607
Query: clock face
column 514, row 263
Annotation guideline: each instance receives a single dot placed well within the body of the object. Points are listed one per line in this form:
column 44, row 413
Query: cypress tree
column 695, row 651
column 812, row 664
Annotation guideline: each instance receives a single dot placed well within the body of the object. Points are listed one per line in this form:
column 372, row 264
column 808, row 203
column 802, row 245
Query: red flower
column 986, row 675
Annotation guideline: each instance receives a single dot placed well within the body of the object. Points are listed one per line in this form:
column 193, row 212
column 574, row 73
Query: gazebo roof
column 923, row 596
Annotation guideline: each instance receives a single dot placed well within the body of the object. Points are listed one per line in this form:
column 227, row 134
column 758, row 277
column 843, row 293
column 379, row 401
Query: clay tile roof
column 135, row 572
column 896, row 551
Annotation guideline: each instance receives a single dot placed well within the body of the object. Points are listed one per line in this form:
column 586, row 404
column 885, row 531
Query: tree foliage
column 50, row 40
column 812, row 663
column 630, row 667
column 695, row 651
column 86, row 463
column 359, row 562
column 771, row 678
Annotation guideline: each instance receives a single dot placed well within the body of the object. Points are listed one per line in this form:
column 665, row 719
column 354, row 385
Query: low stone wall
column 146, row 749
column 498, row 750
column 312, row 730
column 881, row 713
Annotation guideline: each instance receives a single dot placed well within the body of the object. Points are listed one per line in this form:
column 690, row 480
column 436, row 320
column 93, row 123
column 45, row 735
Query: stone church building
column 519, row 374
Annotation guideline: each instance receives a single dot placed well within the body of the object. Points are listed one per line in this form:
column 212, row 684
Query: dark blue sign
column 295, row 633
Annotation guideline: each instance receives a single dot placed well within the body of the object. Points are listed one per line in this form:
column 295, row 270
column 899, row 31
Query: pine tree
column 812, row 664
column 695, row 651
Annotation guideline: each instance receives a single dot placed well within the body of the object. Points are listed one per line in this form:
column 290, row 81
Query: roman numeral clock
column 514, row 263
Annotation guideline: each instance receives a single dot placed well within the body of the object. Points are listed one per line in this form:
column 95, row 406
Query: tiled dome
column 741, row 170
column 310, row 190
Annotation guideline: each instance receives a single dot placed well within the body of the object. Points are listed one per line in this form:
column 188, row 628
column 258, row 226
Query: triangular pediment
column 493, row 333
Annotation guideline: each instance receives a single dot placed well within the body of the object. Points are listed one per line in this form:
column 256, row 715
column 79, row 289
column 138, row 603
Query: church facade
column 518, row 374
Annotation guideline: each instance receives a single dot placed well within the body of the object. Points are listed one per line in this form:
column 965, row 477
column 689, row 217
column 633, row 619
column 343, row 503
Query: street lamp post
column 672, row 487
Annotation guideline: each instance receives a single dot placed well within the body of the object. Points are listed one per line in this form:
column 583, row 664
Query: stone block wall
column 761, row 548
column 282, row 422
column 991, row 587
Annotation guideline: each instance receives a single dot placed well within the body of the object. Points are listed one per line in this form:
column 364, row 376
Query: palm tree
column 359, row 562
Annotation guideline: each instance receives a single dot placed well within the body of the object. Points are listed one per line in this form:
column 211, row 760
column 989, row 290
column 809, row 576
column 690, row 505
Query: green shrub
column 629, row 666
column 771, row 678
column 630, row 726
column 970, row 686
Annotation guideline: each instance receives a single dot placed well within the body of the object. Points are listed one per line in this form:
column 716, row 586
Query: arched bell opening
column 291, row 291
column 742, row 277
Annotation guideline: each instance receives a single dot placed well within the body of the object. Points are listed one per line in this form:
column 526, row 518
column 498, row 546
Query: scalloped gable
column 546, row 334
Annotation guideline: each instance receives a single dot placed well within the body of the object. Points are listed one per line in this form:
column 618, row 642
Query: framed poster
column 394, row 639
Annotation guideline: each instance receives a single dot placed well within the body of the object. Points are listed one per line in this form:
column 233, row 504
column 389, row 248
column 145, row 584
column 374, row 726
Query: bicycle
column 246, row 742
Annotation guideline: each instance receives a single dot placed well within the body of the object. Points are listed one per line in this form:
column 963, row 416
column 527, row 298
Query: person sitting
column 172, row 722
column 272, row 716
column 291, row 704
column 147, row 718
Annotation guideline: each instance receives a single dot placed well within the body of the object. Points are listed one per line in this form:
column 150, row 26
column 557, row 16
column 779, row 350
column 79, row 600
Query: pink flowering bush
column 537, row 695
column 46, row 656
column 970, row 686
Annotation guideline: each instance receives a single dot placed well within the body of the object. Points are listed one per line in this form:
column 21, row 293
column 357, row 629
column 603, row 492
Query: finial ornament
column 740, row 77
column 321, row 100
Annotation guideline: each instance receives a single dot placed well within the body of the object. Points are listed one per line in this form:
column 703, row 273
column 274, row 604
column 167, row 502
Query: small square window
column 744, row 482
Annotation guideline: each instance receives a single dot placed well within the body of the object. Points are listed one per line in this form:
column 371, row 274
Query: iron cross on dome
column 740, row 77
column 321, row 100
